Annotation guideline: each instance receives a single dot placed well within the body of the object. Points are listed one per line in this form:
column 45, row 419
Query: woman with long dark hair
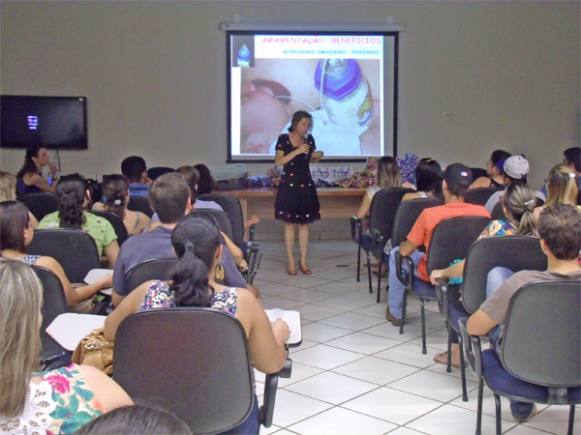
column 29, row 178
column 74, row 199
column 297, row 204
column 196, row 241
column 494, row 170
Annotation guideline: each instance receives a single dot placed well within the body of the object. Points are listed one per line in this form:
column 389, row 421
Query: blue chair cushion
column 502, row 382
column 423, row 289
column 366, row 242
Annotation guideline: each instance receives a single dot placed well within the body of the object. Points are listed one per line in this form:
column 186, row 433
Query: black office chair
column 513, row 252
column 407, row 214
column 478, row 196
column 117, row 224
column 381, row 219
column 52, row 354
column 193, row 362
column 140, row 203
column 40, row 204
column 157, row 171
column 220, row 217
column 157, row 268
column 74, row 249
column 450, row 240
column 540, row 353
column 497, row 212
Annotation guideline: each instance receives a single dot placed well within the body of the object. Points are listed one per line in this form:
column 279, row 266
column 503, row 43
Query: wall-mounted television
column 51, row 122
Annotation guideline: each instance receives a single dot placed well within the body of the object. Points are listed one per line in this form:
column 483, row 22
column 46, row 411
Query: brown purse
column 95, row 350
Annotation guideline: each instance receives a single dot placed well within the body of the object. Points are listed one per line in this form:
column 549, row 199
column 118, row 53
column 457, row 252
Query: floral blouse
column 62, row 402
column 159, row 295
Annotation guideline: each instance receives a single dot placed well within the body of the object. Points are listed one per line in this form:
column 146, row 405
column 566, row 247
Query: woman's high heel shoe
column 305, row 269
column 291, row 271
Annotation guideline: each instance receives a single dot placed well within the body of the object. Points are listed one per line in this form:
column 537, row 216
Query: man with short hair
column 559, row 228
column 456, row 180
column 135, row 169
column 169, row 197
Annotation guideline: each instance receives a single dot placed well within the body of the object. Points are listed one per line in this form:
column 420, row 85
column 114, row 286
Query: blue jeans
column 396, row 287
column 495, row 278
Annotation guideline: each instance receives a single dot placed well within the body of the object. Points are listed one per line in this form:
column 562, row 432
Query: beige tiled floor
column 355, row 374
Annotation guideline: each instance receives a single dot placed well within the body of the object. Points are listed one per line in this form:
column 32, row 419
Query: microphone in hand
column 305, row 141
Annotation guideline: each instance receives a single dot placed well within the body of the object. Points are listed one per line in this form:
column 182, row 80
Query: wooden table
column 336, row 202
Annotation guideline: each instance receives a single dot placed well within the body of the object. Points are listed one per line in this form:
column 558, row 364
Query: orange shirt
column 421, row 232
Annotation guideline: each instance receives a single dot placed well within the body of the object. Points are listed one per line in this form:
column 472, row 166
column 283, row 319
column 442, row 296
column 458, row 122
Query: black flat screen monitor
column 51, row 122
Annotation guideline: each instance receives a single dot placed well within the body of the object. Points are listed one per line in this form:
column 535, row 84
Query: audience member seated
column 495, row 171
column 8, row 193
column 17, row 234
column 387, row 178
column 518, row 204
column 197, row 243
column 135, row 169
column 115, row 199
column 74, row 199
column 30, row 178
column 572, row 158
column 559, row 228
column 206, row 183
column 428, row 181
column 136, row 419
column 170, row 199
column 515, row 170
column 562, row 188
column 456, row 179
column 57, row 401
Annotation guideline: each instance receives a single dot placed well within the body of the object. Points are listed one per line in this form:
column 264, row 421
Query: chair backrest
column 221, row 219
column 451, row 239
column 478, row 196
column 191, row 361
column 54, row 304
column 233, row 210
column 383, row 209
column 74, row 249
column 117, row 224
column 157, row 171
column 513, row 252
column 542, row 334
column 140, row 203
column 157, row 268
column 40, row 204
column 407, row 214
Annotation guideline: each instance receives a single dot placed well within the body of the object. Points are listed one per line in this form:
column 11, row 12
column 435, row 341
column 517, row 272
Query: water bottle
column 345, row 94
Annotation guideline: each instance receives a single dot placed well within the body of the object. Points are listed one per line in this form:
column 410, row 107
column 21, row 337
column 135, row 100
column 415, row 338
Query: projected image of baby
column 342, row 95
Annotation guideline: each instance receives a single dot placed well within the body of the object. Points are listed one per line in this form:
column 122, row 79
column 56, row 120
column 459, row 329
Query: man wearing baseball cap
column 516, row 169
column 456, row 180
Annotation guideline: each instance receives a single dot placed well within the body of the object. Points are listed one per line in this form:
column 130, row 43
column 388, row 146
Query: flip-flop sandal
column 442, row 358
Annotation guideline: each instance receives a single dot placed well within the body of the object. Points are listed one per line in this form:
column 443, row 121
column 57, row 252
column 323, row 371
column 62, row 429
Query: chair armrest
column 270, row 388
column 356, row 229
column 472, row 347
column 442, row 296
column 400, row 261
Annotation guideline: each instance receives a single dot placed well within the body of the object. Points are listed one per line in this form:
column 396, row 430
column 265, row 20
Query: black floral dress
column 296, row 199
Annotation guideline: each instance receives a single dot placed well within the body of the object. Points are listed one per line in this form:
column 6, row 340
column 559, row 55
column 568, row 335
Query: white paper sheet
column 69, row 328
column 95, row 274
column 293, row 319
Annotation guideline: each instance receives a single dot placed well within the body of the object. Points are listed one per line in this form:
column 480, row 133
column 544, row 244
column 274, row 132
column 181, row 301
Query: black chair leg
column 358, row 263
column 379, row 282
column 462, row 369
column 449, row 350
column 571, row 420
column 403, row 310
column 423, row 318
column 479, row 407
column 497, row 407
column 369, row 273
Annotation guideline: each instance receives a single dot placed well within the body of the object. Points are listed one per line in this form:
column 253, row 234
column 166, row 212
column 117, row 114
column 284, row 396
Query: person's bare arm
column 480, row 323
column 454, row 271
column 129, row 305
column 107, row 391
column 42, row 184
column 111, row 251
column 282, row 159
column 364, row 207
column 406, row 248
column 74, row 295
column 317, row 156
column 265, row 341
column 479, row 183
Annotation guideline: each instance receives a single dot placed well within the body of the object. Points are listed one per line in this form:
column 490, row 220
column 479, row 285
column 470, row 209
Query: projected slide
column 339, row 79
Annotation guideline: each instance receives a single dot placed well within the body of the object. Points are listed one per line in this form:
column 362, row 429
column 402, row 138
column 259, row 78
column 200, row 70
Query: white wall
column 154, row 74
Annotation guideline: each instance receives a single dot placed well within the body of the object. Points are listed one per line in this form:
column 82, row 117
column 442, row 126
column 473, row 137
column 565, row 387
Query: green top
column 98, row 228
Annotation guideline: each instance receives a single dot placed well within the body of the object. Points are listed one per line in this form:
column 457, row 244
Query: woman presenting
column 296, row 200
